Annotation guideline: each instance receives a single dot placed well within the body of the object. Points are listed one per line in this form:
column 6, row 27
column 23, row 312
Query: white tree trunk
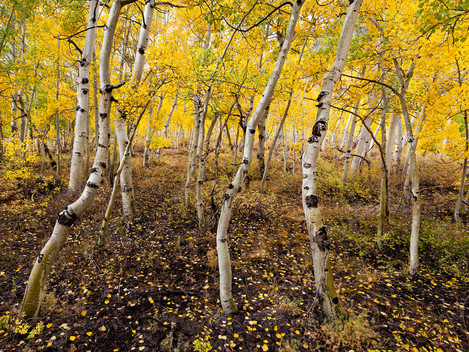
column 319, row 240
column 127, row 188
column 83, row 104
column 146, row 151
column 193, row 148
column 390, row 141
column 396, row 159
column 348, row 147
column 363, row 143
column 168, row 121
column 35, row 289
column 415, row 191
column 224, row 263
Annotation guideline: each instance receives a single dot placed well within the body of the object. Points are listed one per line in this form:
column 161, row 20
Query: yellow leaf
column 83, row 313
column 73, row 338
column 265, row 348
column 49, row 325
column 89, row 333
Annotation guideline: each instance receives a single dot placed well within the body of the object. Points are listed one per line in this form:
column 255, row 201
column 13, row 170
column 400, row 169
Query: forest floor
column 155, row 286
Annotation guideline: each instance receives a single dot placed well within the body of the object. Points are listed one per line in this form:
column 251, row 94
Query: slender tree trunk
column 168, row 121
column 457, row 208
column 193, row 148
column 348, row 149
column 395, row 119
column 415, row 191
column 201, row 161
column 320, row 242
column 35, row 289
column 261, row 144
column 363, row 143
column 396, row 160
column 274, row 143
column 224, row 262
column 57, row 119
column 82, row 114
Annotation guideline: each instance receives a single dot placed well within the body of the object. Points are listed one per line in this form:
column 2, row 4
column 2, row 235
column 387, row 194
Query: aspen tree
column 36, row 286
column 224, row 263
column 83, row 90
column 319, row 241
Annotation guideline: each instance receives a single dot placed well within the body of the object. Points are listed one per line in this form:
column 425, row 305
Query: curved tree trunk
column 319, row 240
column 83, row 105
column 224, row 263
column 35, row 289
column 127, row 188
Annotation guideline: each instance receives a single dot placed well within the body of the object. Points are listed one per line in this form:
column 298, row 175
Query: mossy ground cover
column 155, row 285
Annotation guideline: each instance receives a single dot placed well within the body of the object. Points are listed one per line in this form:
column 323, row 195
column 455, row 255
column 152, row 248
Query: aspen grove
column 197, row 175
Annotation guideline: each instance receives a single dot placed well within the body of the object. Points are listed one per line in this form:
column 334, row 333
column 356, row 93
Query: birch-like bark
column 396, row 159
column 395, row 119
column 320, row 243
column 168, row 121
column 224, row 263
column 415, row 191
column 83, row 103
column 274, row 143
column 191, row 164
column 35, row 289
column 348, row 147
column 363, row 143
column 201, row 161
column 261, row 144
column 127, row 188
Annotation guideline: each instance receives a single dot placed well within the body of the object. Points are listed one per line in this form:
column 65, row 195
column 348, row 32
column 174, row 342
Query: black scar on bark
column 103, row 115
column 67, row 217
column 84, row 80
column 141, row 50
column 40, row 257
column 223, row 240
column 307, row 165
column 82, row 110
column 252, row 131
column 320, row 105
column 93, row 170
column 335, row 300
column 321, row 95
column 77, row 108
column 85, row 91
column 103, row 164
column 239, row 189
column 91, row 185
column 245, row 161
column 227, row 196
column 230, row 186
column 322, row 240
column 306, row 188
column 311, row 201
column 319, row 127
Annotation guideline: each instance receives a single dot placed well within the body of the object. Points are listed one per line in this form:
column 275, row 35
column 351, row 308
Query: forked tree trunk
column 415, row 191
column 35, row 289
column 83, row 104
column 320, row 242
column 224, row 264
